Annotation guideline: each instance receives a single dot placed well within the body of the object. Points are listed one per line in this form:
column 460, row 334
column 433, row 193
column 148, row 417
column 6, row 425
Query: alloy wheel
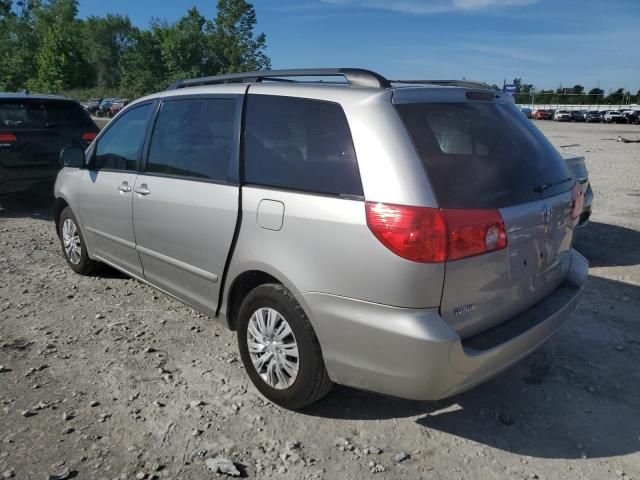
column 71, row 241
column 273, row 348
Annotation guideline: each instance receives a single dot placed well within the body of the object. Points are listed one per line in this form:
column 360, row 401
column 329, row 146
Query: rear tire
column 263, row 318
column 74, row 247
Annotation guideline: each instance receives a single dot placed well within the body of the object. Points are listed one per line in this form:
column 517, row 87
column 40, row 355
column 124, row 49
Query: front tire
column 74, row 247
column 279, row 349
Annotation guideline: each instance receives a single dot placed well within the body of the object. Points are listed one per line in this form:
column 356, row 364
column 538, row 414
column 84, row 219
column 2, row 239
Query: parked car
column 579, row 169
column 33, row 130
column 593, row 116
column 401, row 238
column 527, row 112
column 630, row 115
column 92, row 105
column 634, row 118
column 613, row 116
column 105, row 106
column 541, row 114
column 116, row 106
column 562, row 116
column 552, row 113
column 578, row 115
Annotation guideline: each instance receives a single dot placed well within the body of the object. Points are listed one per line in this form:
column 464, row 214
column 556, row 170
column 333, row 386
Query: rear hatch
column 480, row 153
column 35, row 130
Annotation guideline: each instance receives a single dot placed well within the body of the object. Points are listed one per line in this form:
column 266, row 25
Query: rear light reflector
column 89, row 136
column 7, row 138
column 472, row 232
column 431, row 235
column 577, row 201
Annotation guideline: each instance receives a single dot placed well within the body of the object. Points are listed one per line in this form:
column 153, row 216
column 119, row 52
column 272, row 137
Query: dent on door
column 270, row 215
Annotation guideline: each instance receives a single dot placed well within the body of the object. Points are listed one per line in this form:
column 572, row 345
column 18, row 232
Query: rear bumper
column 414, row 354
column 17, row 180
column 586, row 210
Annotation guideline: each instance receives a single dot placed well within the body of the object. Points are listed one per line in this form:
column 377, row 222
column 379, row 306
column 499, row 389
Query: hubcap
column 71, row 241
column 273, row 348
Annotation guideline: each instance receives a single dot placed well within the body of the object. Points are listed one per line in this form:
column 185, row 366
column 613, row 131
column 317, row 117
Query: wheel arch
column 240, row 287
column 58, row 206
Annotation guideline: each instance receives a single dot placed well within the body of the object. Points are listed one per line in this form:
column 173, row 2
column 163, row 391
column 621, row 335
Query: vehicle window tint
column 483, row 155
column 299, row 144
column 35, row 114
column 120, row 145
column 194, row 138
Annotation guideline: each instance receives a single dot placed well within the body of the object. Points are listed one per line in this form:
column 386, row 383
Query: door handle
column 142, row 189
column 124, row 187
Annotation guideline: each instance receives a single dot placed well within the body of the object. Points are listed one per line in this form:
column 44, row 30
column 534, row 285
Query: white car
column 613, row 116
column 562, row 116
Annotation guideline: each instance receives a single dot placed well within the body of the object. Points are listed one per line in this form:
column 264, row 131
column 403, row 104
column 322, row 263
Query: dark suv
column 33, row 131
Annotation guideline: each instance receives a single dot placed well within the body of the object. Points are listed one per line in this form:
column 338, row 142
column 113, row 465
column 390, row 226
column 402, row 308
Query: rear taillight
column 472, row 232
column 431, row 235
column 89, row 137
column 577, row 201
column 414, row 233
column 7, row 139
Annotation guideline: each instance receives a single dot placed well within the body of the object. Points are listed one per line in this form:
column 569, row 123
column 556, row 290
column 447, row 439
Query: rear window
column 35, row 114
column 483, row 155
column 300, row 144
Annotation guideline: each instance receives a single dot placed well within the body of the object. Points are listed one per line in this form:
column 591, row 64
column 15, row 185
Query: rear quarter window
column 483, row 154
column 299, row 144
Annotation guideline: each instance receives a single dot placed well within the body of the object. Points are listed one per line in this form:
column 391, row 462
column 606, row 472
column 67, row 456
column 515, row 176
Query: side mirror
column 72, row 157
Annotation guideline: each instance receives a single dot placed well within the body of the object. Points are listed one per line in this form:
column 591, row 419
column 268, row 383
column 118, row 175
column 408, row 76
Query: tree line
column 576, row 95
column 46, row 48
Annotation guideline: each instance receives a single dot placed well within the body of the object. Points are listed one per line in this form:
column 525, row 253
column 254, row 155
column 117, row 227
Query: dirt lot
column 106, row 379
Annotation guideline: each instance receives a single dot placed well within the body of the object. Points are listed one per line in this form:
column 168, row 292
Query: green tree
column 521, row 87
column 615, row 97
column 105, row 41
column 5, row 9
column 45, row 47
column 187, row 47
column 17, row 45
column 237, row 47
column 143, row 70
column 60, row 61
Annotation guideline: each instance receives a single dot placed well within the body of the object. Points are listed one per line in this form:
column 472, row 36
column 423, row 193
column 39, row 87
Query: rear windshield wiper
column 546, row 186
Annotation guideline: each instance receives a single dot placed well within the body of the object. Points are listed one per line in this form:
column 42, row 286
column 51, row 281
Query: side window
column 120, row 145
column 194, row 138
column 299, row 144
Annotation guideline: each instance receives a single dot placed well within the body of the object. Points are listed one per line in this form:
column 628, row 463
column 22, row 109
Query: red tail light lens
column 89, row 136
column 472, row 232
column 6, row 138
column 431, row 235
column 414, row 233
column 577, row 201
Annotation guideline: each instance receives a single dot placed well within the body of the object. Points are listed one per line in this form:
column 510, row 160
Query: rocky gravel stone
column 222, row 465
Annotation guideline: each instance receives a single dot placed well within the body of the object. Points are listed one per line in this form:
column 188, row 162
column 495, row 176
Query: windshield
column 484, row 154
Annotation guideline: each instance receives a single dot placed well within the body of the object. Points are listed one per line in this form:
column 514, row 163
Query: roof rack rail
column 452, row 83
column 354, row 76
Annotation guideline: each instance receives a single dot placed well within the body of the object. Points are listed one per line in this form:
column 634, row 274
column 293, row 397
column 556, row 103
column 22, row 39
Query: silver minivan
column 412, row 238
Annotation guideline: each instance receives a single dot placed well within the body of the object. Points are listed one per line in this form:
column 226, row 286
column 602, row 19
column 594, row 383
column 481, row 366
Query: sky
column 549, row 43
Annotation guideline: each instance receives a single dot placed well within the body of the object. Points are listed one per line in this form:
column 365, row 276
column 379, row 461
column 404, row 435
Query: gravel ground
column 104, row 378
